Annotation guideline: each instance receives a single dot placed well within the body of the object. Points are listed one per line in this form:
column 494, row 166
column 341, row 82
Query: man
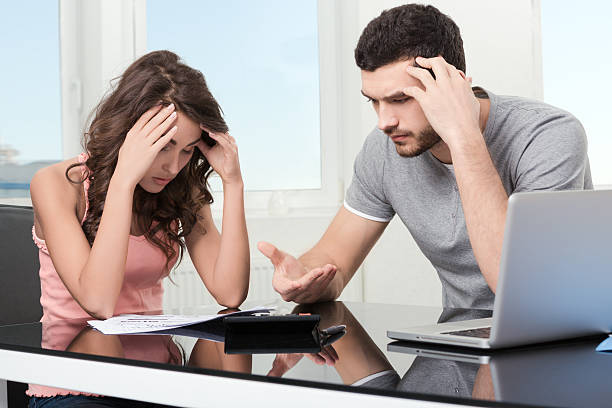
column 445, row 158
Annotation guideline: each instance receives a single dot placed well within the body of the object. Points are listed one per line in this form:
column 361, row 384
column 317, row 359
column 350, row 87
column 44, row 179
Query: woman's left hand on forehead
column 223, row 156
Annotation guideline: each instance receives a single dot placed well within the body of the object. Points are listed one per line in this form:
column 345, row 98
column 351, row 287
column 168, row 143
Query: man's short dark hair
column 409, row 31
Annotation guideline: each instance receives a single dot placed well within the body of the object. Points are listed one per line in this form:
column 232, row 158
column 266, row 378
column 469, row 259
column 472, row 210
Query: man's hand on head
column 447, row 100
column 292, row 280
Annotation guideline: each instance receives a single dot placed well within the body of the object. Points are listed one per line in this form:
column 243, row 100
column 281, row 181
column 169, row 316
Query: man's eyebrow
column 396, row 94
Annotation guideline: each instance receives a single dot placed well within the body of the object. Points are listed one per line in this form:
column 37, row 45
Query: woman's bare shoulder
column 51, row 182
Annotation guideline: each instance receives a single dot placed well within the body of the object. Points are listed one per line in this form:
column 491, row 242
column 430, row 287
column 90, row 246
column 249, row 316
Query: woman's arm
column 223, row 260
column 91, row 341
column 210, row 355
column 94, row 275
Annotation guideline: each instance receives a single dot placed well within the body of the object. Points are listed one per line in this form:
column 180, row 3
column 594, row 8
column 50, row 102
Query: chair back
column 19, row 265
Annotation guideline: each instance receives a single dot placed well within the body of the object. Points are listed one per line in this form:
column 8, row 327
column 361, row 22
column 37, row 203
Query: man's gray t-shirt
column 533, row 146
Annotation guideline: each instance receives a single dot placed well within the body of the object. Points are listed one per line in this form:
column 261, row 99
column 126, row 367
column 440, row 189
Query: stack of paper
column 136, row 324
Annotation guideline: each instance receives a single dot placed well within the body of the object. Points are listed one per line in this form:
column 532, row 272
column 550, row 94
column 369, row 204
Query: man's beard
column 416, row 145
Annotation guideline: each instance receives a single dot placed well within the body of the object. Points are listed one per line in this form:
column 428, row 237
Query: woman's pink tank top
column 142, row 286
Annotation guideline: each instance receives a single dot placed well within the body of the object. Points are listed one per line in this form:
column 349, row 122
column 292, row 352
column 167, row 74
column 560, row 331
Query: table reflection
column 449, row 377
column 360, row 362
column 354, row 356
column 76, row 336
column 570, row 374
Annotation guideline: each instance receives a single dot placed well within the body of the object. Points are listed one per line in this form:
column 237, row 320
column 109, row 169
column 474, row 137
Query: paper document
column 135, row 324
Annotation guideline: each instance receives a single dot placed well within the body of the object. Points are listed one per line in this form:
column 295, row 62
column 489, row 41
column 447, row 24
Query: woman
column 111, row 223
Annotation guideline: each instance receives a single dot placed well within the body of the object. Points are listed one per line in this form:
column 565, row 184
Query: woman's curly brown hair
column 170, row 215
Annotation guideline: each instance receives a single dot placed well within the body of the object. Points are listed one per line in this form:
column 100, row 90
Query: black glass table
column 363, row 367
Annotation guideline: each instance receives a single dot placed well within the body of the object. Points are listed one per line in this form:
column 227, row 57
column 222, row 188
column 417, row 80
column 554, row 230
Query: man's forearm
column 484, row 202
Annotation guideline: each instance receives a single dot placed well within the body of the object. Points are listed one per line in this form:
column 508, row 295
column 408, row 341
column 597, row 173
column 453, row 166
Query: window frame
column 119, row 31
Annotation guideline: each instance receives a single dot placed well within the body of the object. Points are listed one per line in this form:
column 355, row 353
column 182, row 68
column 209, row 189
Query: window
column 261, row 62
column 276, row 82
column 30, row 131
column 576, row 67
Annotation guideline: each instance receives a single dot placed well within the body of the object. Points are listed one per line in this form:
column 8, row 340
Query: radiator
column 186, row 287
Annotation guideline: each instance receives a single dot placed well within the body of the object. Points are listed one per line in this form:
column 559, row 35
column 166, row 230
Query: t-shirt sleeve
column 556, row 157
column 365, row 196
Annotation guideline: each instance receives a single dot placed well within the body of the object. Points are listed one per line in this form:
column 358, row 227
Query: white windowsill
column 291, row 213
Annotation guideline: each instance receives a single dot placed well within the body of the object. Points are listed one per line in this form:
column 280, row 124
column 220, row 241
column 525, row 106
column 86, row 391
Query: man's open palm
column 292, row 280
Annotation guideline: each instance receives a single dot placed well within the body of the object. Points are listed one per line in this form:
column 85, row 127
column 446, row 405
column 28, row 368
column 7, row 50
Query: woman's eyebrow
column 173, row 142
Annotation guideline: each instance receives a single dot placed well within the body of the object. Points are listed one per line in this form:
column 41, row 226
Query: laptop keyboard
column 484, row 333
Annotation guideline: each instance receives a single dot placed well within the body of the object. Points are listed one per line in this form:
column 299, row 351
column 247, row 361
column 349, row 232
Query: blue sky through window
column 261, row 62
column 576, row 67
column 31, row 106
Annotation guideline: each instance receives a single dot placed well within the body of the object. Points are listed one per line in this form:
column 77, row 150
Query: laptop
column 555, row 277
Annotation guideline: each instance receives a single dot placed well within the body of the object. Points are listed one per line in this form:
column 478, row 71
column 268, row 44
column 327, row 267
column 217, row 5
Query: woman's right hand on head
column 223, row 156
column 151, row 132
